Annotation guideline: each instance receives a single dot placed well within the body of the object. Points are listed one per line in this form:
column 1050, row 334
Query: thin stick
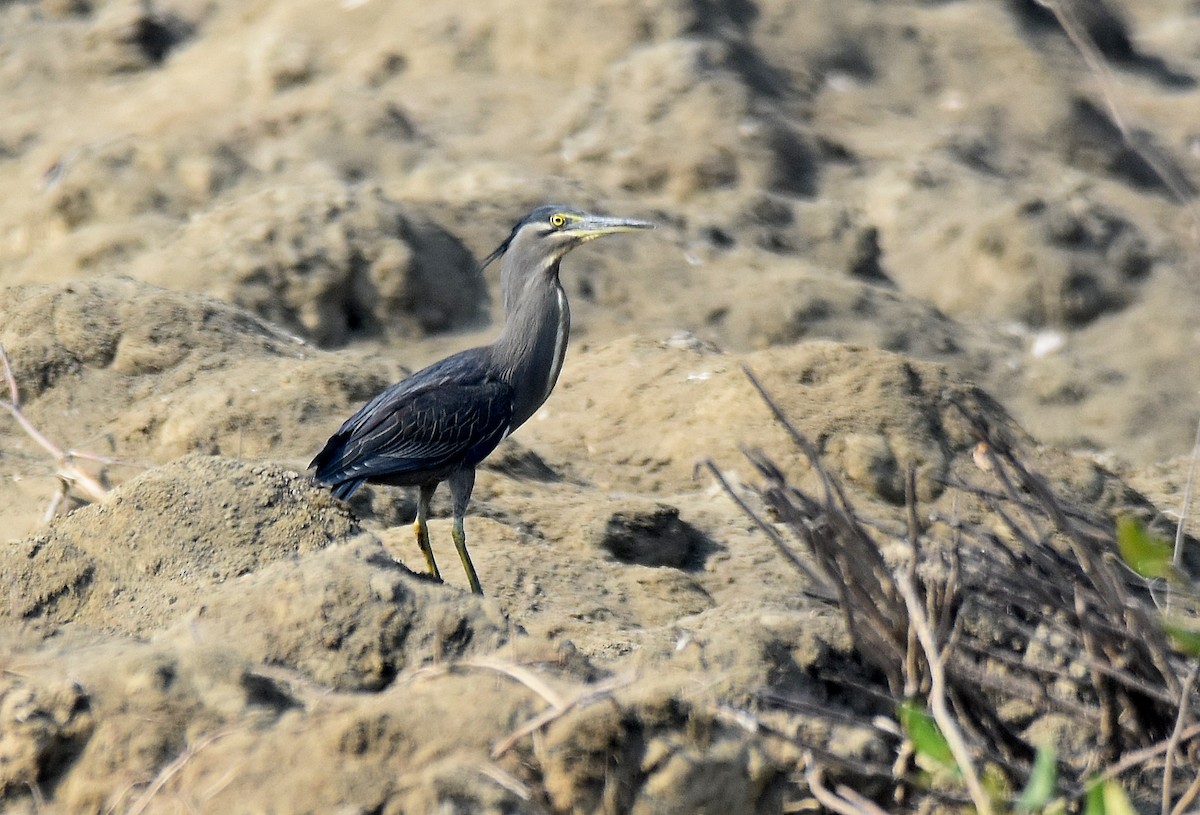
column 35, row 792
column 834, row 802
column 1099, row 67
column 510, row 669
column 168, row 772
column 106, row 460
column 60, row 495
column 559, row 705
column 506, row 780
column 1177, row 559
column 1173, row 741
column 937, row 697
column 1144, row 755
column 521, row 674
column 817, row 583
column 588, row 697
column 1105, row 697
column 89, row 486
column 1188, row 797
column 859, row 800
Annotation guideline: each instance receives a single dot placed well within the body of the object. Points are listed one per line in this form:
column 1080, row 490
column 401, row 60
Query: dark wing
column 425, row 424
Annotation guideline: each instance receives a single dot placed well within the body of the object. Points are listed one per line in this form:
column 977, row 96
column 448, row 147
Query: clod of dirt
column 517, row 461
column 42, row 728
column 841, row 308
column 1099, row 260
column 831, row 235
column 164, row 374
column 1047, row 262
column 131, row 35
column 146, row 702
column 869, row 462
column 51, row 331
column 653, row 537
column 656, row 755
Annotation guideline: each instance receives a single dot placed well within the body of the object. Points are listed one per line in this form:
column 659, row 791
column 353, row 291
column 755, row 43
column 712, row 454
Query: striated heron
column 439, row 423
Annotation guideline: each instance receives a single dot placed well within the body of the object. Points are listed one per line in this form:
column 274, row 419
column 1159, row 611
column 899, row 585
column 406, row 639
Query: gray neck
column 533, row 344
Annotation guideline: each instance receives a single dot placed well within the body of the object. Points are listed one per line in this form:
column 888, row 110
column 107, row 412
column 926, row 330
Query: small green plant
column 1040, row 794
column 1153, row 558
column 1107, row 798
column 1146, row 553
column 928, row 742
column 1042, row 784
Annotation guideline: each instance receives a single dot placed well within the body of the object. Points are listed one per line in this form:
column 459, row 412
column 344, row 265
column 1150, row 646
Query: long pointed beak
column 591, row 227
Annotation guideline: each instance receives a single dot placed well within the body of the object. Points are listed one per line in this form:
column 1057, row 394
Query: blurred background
column 944, row 179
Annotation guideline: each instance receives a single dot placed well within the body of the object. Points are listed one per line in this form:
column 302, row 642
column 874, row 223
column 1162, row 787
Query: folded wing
column 417, row 429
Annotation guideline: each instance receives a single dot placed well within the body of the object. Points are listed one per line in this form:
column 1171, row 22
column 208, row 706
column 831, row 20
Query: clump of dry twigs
column 1033, row 608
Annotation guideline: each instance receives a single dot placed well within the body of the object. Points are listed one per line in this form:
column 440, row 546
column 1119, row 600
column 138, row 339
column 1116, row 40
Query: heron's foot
column 460, row 543
column 422, row 532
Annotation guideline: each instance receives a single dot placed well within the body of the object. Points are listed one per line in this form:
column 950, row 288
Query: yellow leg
column 422, row 532
column 460, row 543
column 423, row 541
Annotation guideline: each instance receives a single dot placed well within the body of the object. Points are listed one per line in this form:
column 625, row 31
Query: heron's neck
column 533, row 344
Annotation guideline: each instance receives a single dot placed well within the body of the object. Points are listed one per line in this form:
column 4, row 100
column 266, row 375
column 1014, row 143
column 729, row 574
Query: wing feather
column 445, row 415
column 418, row 427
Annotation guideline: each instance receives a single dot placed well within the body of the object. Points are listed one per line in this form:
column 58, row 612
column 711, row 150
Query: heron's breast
column 561, row 334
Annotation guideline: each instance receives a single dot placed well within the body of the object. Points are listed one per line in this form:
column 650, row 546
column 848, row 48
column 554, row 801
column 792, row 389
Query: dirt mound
column 330, row 261
column 874, row 413
column 349, row 618
column 1046, row 263
column 164, row 540
column 115, row 365
column 126, row 327
column 626, row 127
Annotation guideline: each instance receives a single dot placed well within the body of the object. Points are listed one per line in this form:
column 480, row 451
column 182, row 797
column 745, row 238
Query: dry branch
column 68, row 472
column 171, row 770
column 559, row 705
column 955, row 621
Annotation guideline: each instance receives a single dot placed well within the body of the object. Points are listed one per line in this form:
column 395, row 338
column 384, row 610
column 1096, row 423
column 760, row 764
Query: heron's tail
column 328, row 468
column 346, row 488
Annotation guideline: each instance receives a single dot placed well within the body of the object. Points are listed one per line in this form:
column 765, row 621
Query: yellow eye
column 557, row 220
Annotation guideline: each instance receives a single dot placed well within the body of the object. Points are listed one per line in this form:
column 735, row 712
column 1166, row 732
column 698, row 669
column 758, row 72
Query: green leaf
column 1042, row 781
column 1147, row 554
column 1107, row 798
column 1184, row 638
column 1116, row 802
column 1095, row 800
column 925, row 735
column 995, row 785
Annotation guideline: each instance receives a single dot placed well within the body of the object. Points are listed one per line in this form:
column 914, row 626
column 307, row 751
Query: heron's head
column 541, row 238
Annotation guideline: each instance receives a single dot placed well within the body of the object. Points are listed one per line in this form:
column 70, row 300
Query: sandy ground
column 226, row 225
